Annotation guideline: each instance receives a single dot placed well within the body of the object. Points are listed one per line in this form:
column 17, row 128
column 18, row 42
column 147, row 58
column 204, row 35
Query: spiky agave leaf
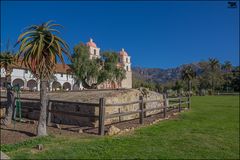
column 40, row 48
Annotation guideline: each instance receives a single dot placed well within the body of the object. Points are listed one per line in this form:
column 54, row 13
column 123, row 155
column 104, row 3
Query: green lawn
column 209, row 130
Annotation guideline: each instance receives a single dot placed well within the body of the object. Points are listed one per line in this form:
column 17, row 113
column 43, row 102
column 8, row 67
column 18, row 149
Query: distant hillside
column 161, row 75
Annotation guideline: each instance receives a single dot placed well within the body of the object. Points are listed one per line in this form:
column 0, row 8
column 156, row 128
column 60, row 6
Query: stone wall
column 131, row 96
column 115, row 97
column 62, row 119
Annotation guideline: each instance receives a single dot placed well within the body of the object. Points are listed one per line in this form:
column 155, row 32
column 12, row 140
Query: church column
column 38, row 85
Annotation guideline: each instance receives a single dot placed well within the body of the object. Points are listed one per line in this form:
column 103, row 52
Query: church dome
column 123, row 53
column 91, row 43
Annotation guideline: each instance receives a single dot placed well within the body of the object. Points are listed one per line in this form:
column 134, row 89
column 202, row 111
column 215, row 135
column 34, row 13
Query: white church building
column 62, row 79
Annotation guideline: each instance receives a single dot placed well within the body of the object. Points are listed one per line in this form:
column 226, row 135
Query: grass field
column 209, row 130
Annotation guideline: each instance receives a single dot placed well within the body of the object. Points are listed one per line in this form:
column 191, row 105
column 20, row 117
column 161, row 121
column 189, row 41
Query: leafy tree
column 6, row 61
column 92, row 72
column 227, row 74
column 235, row 83
column 227, row 66
column 159, row 87
column 188, row 74
column 39, row 50
column 178, row 86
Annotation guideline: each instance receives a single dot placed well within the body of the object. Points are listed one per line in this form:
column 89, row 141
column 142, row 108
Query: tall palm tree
column 39, row 50
column 188, row 74
column 6, row 62
column 227, row 66
column 213, row 65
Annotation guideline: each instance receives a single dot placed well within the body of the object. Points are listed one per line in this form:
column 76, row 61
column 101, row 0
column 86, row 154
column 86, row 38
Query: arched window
column 95, row 52
column 127, row 68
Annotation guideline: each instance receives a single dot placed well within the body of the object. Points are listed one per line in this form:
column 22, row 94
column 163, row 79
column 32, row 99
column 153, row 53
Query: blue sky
column 155, row 34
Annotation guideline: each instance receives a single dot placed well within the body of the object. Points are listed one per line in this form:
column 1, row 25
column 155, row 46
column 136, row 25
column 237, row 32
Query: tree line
column 211, row 78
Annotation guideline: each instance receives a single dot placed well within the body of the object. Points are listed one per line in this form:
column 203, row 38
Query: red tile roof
column 60, row 68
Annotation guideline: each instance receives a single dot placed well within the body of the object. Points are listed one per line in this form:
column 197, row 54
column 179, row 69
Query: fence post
column 189, row 101
column 144, row 107
column 165, row 106
column 49, row 113
column 180, row 101
column 119, row 118
column 141, row 113
column 14, row 108
column 101, row 116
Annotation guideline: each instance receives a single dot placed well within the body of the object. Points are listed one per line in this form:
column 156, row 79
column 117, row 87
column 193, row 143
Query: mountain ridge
column 162, row 75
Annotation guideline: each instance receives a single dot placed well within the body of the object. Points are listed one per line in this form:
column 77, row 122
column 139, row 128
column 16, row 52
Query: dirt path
column 23, row 131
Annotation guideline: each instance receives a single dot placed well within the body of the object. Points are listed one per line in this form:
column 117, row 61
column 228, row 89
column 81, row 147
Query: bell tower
column 93, row 49
column 125, row 62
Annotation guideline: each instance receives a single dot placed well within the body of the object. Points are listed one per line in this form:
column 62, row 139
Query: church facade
column 64, row 80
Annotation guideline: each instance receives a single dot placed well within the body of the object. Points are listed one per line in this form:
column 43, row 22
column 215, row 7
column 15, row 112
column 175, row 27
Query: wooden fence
column 169, row 104
column 227, row 94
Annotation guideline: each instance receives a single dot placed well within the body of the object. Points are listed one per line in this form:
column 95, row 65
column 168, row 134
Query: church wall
column 127, row 83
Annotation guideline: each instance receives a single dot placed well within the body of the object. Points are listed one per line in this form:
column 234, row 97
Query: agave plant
column 39, row 50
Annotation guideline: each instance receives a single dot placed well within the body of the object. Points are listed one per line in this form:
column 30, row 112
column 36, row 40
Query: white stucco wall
column 26, row 76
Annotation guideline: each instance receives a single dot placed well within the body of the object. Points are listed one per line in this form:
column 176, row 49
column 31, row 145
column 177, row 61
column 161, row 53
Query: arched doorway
column 67, row 86
column 113, row 85
column 76, row 87
column 32, row 85
column 56, row 86
column 19, row 82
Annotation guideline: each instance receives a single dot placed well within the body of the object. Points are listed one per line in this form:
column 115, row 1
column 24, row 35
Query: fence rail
column 122, row 104
column 228, row 94
column 164, row 106
column 78, row 103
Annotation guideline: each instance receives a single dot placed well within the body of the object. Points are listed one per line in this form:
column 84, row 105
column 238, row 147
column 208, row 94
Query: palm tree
column 188, row 74
column 227, row 66
column 214, row 65
column 39, row 50
column 6, row 62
